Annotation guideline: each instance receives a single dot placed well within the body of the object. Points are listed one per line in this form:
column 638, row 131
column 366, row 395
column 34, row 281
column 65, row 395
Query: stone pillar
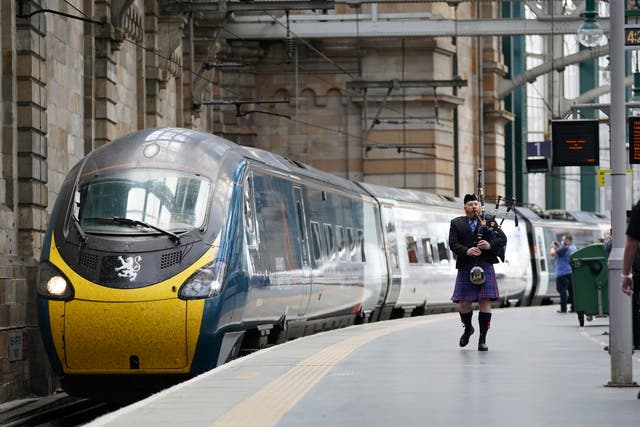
column 495, row 115
column 164, row 41
column 23, row 198
column 89, row 82
column 108, row 40
column 190, row 102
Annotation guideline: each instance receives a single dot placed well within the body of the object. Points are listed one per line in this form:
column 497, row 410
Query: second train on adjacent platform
column 172, row 251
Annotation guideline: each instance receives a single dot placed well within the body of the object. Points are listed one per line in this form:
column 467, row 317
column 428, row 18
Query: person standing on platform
column 631, row 271
column 562, row 252
column 475, row 245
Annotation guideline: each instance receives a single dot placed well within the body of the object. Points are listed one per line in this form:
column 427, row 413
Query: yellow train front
column 132, row 264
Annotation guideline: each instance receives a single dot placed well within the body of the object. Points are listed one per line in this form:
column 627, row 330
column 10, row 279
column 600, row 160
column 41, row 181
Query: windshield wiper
column 79, row 229
column 136, row 222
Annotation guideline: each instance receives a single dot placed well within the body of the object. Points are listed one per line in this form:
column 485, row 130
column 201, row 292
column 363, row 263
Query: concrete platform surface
column 541, row 369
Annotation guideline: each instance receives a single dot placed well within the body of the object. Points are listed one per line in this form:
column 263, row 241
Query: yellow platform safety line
column 269, row 404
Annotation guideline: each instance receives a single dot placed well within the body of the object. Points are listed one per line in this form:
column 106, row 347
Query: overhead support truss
column 324, row 22
column 220, row 6
column 393, row 25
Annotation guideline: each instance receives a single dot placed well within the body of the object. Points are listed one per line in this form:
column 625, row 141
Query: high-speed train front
column 131, row 258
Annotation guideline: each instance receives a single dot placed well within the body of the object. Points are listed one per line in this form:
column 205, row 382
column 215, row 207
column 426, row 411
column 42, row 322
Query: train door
column 393, row 262
column 541, row 264
column 303, row 241
column 375, row 269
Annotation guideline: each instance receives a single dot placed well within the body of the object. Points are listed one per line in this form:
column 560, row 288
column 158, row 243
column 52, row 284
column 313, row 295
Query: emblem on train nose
column 129, row 267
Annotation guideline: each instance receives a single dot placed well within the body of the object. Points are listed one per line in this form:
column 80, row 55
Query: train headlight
column 52, row 284
column 206, row 282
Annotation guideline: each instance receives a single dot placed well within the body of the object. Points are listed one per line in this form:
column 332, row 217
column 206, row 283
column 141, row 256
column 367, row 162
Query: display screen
column 634, row 140
column 575, row 142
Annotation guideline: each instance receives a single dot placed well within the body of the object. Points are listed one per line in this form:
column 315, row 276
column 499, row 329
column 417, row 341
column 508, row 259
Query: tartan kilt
column 467, row 291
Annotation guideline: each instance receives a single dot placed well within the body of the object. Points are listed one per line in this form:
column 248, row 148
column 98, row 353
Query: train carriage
column 421, row 262
column 585, row 228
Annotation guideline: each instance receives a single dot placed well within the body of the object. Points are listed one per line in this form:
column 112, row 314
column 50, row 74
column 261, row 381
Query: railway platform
column 542, row 369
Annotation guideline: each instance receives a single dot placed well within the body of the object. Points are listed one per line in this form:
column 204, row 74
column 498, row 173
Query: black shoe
column 482, row 347
column 464, row 339
column 562, row 311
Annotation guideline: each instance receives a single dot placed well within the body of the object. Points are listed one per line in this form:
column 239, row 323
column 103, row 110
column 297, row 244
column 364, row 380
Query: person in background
column 562, row 252
column 607, row 240
column 630, row 275
column 475, row 244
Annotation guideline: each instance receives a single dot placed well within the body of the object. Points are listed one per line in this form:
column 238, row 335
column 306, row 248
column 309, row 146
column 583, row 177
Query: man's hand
column 627, row 285
column 474, row 251
column 483, row 244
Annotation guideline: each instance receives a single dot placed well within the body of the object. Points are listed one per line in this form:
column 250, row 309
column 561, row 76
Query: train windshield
column 170, row 200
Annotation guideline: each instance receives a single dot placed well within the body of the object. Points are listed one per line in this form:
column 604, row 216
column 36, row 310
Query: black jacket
column 461, row 239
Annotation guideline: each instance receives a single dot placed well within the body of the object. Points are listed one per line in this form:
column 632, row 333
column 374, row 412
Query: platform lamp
column 590, row 33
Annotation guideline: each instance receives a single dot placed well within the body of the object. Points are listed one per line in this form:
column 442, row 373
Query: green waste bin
column 589, row 279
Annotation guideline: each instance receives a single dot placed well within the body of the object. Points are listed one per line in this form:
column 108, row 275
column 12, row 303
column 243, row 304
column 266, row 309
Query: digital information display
column 634, row 140
column 632, row 36
column 575, row 142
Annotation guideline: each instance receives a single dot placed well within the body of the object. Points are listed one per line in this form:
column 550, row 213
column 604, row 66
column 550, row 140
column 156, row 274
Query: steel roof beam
column 507, row 86
column 215, row 7
column 348, row 26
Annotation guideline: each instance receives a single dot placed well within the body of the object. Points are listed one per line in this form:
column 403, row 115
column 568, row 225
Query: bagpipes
column 493, row 223
column 477, row 274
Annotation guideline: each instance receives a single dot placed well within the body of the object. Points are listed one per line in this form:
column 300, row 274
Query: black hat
column 469, row 197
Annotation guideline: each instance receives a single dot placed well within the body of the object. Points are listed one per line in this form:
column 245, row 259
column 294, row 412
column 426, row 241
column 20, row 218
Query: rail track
column 59, row 410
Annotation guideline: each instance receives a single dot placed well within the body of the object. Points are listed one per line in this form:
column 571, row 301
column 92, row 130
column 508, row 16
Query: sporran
column 477, row 276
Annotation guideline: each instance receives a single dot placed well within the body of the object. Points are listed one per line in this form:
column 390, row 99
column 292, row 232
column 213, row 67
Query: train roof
column 410, row 196
column 298, row 168
column 565, row 219
column 162, row 146
column 197, row 150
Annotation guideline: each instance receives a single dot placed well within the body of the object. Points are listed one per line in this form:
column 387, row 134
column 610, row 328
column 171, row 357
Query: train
column 171, row 251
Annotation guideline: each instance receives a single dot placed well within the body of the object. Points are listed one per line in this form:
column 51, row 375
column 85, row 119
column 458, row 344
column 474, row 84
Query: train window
column 427, row 250
column 363, row 258
column 443, row 253
column 167, row 199
column 300, row 220
column 315, row 240
column 330, row 241
column 249, row 212
column 541, row 256
column 340, row 242
column 350, row 243
column 412, row 249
